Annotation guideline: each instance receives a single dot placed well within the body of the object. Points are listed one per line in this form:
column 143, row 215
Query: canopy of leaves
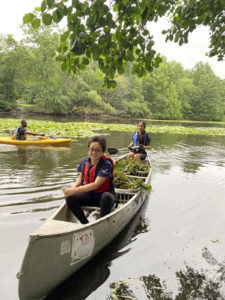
column 186, row 15
column 115, row 32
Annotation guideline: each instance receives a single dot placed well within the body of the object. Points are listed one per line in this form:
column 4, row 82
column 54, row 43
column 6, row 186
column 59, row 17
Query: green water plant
column 87, row 129
column 120, row 290
column 131, row 166
column 122, row 180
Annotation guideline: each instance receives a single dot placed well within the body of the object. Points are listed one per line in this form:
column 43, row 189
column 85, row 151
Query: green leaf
column 35, row 23
column 57, row 15
column 50, row 3
column 47, row 19
column 27, row 18
column 43, row 6
column 64, row 36
column 158, row 59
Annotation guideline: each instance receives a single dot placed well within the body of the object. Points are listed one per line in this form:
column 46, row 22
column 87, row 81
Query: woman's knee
column 130, row 155
column 107, row 199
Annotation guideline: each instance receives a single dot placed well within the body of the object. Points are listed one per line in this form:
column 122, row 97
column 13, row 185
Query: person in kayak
column 94, row 186
column 140, row 142
column 21, row 132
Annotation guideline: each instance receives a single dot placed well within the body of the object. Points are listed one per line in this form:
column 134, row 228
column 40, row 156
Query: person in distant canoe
column 21, row 132
column 140, row 142
column 94, row 186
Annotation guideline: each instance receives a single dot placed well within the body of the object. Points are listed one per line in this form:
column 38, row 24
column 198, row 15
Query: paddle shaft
column 115, row 150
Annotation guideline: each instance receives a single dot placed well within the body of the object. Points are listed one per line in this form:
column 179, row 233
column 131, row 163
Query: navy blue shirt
column 105, row 170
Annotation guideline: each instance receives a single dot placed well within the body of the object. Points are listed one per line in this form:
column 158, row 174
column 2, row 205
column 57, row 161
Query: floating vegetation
column 87, row 129
column 123, row 169
column 120, row 290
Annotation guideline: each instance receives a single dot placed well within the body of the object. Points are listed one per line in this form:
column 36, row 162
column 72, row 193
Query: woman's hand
column 70, row 191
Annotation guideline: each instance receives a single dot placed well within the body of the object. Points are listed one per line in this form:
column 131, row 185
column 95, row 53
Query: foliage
column 131, row 166
column 120, row 290
column 114, row 33
column 187, row 15
column 85, row 129
column 29, row 74
column 123, row 169
column 8, row 58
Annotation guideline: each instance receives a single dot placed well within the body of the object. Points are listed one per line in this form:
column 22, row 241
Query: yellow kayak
column 35, row 141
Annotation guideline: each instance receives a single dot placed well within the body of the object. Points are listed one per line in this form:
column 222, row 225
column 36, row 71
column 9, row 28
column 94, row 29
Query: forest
column 31, row 75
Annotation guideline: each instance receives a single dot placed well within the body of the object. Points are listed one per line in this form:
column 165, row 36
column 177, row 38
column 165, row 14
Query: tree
column 208, row 102
column 160, row 93
column 186, row 91
column 8, row 54
column 115, row 32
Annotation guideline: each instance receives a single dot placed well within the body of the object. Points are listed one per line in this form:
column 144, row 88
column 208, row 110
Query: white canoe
column 62, row 245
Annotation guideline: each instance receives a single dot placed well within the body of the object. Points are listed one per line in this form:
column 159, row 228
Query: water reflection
column 188, row 196
column 189, row 152
column 195, row 285
column 23, row 156
column 91, row 276
column 192, row 284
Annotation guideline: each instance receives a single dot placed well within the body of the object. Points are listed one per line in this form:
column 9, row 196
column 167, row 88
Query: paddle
column 115, row 150
column 43, row 136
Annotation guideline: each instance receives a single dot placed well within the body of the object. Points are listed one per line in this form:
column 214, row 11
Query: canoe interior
column 93, row 213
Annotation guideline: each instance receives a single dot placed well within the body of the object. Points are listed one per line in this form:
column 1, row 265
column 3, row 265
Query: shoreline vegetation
column 33, row 109
column 86, row 129
column 32, row 81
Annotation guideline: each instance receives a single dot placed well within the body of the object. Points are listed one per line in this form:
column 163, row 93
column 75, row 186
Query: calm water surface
column 173, row 249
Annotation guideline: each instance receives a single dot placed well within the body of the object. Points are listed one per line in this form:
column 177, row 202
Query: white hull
column 59, row 248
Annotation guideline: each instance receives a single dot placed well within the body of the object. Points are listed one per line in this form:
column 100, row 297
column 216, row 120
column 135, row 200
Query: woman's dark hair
column 143, row 123
column 100, row 139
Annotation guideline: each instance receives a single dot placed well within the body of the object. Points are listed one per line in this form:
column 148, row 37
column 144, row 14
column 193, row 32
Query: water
column 173, row 249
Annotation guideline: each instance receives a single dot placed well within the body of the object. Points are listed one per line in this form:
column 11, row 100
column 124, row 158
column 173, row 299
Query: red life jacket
column 89, row 174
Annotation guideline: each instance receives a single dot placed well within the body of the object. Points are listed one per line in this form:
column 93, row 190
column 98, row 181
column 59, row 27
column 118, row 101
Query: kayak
column 35, row 141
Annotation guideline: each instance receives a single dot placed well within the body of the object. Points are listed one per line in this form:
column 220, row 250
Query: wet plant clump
column 123, row 169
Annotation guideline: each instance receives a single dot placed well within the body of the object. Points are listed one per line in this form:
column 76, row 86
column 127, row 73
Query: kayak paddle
column 115, row 150
column 43, row 136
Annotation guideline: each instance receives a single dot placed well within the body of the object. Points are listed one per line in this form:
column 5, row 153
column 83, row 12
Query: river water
column 173, row 249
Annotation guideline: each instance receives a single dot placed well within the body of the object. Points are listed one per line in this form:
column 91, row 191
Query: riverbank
column 32, row 111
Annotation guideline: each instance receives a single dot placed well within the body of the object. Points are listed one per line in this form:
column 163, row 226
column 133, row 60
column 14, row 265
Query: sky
column 12, row 12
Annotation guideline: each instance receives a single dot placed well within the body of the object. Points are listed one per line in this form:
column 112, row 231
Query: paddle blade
column 112, row 150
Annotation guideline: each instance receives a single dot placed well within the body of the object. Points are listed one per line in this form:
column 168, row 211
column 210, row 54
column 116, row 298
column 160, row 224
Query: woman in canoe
column 140, row 142
column 94, row 186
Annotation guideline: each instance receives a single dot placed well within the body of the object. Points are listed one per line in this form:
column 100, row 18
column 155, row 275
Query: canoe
column 62, row 245
column 35, row 141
